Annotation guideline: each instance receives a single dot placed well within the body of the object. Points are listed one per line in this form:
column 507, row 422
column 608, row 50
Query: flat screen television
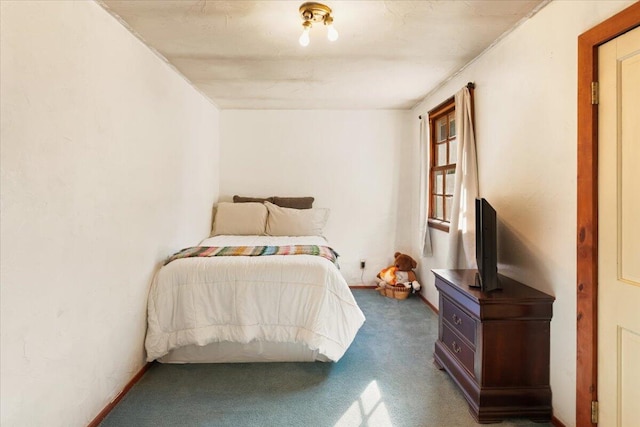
column 486, row 247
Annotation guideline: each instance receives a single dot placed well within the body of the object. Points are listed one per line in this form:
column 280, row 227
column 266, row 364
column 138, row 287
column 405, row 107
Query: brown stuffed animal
column 400, row 273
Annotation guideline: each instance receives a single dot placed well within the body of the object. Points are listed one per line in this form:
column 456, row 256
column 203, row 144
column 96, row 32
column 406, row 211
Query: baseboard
column 426, row 301
column 556, row 422
column 101, row 416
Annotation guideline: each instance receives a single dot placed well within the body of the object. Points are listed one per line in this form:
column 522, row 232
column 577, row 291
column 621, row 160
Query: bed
column 272, row 307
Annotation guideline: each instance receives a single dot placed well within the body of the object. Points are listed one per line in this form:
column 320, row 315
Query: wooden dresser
column 495, row 346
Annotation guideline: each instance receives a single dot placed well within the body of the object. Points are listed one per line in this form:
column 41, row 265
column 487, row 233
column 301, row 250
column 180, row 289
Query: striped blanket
column 211, row 251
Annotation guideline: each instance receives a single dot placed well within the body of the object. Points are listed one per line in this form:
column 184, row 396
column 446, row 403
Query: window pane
column 438, row 208
column 450, row 181
column 441, row 129
column 439, row 184
column 433, row 206
column 448, row 202
column 452, row 126
column 453, row 151
column 441, row 155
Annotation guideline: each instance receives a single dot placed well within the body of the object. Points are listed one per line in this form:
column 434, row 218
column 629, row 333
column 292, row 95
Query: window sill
column 438, row 225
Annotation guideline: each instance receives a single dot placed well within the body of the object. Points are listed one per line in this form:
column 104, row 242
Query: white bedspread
column 276, row 298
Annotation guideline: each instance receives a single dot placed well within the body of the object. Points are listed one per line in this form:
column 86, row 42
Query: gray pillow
column 242, row 199
column 293, row 202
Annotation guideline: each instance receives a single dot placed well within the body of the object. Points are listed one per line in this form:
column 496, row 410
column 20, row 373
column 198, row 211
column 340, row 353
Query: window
column 443, row 146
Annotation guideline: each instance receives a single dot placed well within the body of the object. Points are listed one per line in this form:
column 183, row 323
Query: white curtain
column 425, row 235
column 462, row 244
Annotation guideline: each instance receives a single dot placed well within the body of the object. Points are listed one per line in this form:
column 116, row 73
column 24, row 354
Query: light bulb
column 332, row 33
column 304, row 38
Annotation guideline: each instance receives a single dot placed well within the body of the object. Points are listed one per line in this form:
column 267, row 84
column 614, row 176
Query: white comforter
column 276, row 298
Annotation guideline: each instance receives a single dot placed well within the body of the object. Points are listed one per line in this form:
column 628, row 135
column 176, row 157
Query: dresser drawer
column 459, row 320
column 458, row 347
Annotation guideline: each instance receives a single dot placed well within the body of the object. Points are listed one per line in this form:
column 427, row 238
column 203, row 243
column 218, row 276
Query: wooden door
column 619, row 231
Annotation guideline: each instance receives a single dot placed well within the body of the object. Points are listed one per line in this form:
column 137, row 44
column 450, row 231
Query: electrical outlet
column 363, row 263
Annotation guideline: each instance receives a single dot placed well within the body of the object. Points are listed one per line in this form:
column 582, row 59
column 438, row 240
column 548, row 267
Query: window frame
column 445, row 109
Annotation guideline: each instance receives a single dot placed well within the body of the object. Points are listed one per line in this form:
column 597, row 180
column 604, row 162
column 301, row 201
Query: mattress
column 248, row 303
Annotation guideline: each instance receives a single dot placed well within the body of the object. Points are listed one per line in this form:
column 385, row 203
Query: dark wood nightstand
column 495, row 346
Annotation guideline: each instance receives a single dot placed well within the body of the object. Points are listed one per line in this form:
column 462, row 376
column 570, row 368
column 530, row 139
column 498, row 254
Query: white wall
column 526, row 143
column 352, row 162
column 109, row 163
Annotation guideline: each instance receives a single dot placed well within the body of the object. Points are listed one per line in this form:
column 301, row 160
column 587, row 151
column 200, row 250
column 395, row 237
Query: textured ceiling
column 390, row 54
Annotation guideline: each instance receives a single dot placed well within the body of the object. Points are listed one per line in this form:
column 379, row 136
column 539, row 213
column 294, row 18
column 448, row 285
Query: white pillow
column 240, row 219
column 295, row 222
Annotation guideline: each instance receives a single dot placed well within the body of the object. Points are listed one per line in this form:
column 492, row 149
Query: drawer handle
column 456, row 348
column 457, row 320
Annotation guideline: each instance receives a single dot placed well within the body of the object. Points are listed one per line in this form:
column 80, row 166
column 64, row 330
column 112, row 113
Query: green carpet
column 386, row 378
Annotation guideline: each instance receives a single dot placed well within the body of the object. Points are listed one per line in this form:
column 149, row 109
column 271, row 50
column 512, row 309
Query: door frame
column 587, row 203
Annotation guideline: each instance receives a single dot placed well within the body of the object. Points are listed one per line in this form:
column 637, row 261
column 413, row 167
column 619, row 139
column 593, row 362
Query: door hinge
column 595, row 93
column 594, row 412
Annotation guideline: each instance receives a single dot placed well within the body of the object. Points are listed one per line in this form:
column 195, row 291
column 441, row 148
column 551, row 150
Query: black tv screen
column 486, row 247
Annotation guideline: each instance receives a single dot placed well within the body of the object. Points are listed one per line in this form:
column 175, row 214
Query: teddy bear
column 400, row 273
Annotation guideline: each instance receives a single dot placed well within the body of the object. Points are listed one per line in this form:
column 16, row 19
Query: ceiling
column 390, row 54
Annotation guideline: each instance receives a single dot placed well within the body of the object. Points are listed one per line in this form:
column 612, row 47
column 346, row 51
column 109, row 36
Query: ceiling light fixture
column 316, row 12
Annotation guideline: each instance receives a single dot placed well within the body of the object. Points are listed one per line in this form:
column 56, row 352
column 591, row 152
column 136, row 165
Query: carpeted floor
column 386, row 378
